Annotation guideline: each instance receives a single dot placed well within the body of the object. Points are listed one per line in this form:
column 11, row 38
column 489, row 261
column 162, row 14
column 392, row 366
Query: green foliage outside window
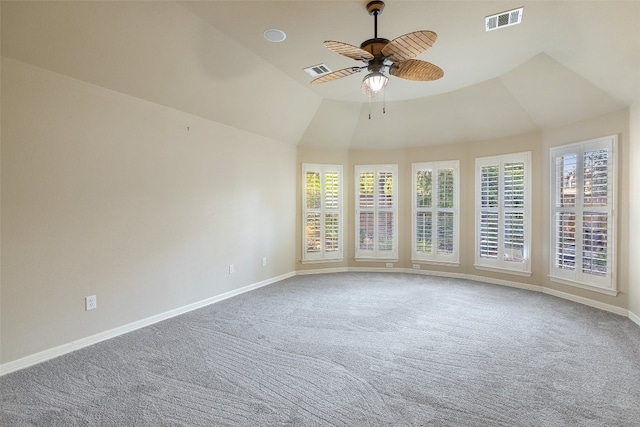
column 424, row 189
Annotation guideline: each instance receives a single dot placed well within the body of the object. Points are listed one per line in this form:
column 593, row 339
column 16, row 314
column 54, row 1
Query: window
column 502, row 213
column 583, row 178
column 435, row 212
column 322, row 212
column 376, row 211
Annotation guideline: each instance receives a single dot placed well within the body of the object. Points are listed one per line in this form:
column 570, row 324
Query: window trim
column 376, row 254
column 500, row 265
column 323, row 256
column 576, row 278
column 434, row 257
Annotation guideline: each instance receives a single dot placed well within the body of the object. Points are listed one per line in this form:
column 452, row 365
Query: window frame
column 499, row 264
column 323, row 255
column 434, row 257
column 606, row 284
column 376, row 254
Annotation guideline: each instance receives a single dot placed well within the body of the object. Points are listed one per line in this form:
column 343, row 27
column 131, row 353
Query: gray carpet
column 350, row 349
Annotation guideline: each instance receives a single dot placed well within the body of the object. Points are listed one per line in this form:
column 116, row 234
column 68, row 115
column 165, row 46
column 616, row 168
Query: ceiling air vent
column 317, row 70
column 504, row 19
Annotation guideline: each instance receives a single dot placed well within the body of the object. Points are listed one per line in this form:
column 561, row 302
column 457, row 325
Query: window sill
column 503, row 270
column 434, row 262
column 320, row 261
column 376, row 259
column 606, row 291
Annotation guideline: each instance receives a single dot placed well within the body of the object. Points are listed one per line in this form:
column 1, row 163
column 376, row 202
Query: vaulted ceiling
column 566, row 61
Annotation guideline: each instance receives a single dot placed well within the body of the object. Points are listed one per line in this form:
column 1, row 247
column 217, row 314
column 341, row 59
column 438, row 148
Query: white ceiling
column 567, row 61
column 590, row 37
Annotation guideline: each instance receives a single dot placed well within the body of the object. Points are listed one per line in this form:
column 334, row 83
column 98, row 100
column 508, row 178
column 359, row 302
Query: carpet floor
column 349, row 349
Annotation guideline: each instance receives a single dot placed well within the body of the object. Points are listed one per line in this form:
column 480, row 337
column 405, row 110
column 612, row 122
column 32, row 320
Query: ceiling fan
column 380, row 54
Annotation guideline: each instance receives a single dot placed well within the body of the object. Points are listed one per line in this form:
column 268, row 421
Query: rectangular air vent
column 504, row 19
column 317, row 70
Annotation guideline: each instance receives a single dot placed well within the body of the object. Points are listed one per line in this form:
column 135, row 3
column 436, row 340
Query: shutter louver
column 332, row 232
column 331, row 190
column 385, row 231
column 513, row 194
column 565, row 248
column 314, row 242
column 313, row 190
column 594, row 243
column 489, row 227
column 489, row 235
column 366, row 231
column 445, row 188
column 365, row 196
column 595, row 188
column 445, row 232
column 385, row 190
column 423, row 232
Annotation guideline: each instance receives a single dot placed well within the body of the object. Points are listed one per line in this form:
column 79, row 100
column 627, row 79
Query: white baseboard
column 535, row 288
column 54, row 352
column 509, row 283
column 586, row 301
column 321, row 271
column 634, row 317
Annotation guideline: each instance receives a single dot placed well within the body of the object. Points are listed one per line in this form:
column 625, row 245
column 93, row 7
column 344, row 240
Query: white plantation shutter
column 435, row 190
column 489, row 223
column 514, row 217
column 313, row 232
column 423, row 211
column 322, row 212
column 376, row 189
column 445, row 233
column 489, row 231
column 582, row 207
column 331, row 188
column 502, row 213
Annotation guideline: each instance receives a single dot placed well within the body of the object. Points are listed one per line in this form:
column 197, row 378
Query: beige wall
column 538, row 143
column 139, row 204
column 633, row 257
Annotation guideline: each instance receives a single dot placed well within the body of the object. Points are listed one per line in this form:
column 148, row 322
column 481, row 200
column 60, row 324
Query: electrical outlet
column 416, row 266
column 91, row 302
column 264, row 261
column 389, row 265
column 231, row 269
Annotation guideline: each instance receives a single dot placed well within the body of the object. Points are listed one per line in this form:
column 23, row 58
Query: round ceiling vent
column 275, row 35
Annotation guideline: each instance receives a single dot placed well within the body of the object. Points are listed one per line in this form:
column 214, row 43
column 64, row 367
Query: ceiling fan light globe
column 374, row 83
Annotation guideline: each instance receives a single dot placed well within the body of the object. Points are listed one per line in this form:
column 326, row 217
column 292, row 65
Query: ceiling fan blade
column 415, row 69
column 410, row 45
column 334, row 75
column 348, row 50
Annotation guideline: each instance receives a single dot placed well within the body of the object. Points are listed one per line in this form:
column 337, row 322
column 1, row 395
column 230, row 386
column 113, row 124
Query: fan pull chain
column 369, row 108
column 384, row 102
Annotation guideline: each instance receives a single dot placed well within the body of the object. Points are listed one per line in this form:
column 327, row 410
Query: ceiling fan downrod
column 375, row 8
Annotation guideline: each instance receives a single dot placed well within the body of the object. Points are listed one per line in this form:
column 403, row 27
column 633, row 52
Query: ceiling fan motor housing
column 374, row 46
